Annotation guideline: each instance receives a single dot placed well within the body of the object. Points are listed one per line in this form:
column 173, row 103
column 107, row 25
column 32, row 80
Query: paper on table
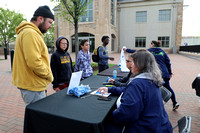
column 75, row 80
column 99, row 94
column 123, row 62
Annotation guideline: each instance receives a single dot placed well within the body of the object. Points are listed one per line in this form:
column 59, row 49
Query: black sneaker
column 175, row 106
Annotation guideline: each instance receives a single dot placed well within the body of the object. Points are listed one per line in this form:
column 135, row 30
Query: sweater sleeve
column 168, row 64
column 100, row 50
column 116, row 90
column 32, row 49
column 130, row 50
column 122, row 81
column 71, row 65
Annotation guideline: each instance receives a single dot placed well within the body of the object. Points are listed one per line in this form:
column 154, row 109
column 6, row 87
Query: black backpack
column 95, row 55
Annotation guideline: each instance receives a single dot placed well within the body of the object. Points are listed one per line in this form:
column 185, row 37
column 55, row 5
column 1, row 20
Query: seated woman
column 140, row 107
column 165, row 66
column 125, row 80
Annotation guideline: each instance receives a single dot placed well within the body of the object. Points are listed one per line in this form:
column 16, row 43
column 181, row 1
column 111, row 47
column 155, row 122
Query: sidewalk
column 184, row 69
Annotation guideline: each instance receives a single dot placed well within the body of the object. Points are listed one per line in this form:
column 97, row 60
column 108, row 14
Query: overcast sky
column 191, row 13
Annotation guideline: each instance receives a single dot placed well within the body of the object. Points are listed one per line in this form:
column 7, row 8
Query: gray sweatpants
column 31, row 96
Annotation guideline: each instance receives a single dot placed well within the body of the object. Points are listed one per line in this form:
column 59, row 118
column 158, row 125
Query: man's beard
column 41, row 27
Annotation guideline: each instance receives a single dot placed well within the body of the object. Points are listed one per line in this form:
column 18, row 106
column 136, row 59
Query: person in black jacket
column 125, row 80
column 61, row 65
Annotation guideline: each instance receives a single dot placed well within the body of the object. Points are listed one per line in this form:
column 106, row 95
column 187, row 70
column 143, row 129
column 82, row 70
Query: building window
column 164, row 41
column 140, row 42
column 164, row 15
column 88, row 17
column 141, row 16
column 112, row 20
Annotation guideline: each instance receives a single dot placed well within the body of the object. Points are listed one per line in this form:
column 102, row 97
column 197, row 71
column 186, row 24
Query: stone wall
column 179, row 25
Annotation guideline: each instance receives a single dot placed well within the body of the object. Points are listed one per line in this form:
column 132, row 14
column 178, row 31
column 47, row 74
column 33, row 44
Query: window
column 164, row 15
column 164, row 41
column 88, row 17
column 141, row 16
column 112, row 20
column 140, row 42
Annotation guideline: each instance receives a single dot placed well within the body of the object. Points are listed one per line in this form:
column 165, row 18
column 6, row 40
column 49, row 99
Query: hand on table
column 111, row 80
column 103, row 90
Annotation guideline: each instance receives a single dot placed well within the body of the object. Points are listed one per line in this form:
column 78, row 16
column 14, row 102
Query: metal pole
column 11, row 57
column 5, row 53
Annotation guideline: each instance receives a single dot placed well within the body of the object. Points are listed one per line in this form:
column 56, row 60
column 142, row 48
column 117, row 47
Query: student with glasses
column 61, row 65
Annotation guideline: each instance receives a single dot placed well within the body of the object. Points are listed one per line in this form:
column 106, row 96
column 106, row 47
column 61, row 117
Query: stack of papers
column 99, row 94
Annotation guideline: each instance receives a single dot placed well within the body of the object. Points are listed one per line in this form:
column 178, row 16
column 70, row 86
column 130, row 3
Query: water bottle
column 114, row 73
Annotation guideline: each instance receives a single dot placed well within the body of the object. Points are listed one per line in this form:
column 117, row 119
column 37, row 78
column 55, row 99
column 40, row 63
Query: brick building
column 130, row 23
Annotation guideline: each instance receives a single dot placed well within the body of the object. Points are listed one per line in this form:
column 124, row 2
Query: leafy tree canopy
column 71, row 10
column 9, row 20
column 49, row 37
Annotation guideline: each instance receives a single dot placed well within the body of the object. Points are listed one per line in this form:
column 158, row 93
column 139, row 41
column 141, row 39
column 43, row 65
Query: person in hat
column 31, row 71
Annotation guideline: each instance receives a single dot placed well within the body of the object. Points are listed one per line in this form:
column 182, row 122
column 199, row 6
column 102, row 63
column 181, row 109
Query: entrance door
column 82, row 36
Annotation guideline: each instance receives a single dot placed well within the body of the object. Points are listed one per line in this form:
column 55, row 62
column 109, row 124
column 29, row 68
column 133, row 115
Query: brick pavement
column 185, row 70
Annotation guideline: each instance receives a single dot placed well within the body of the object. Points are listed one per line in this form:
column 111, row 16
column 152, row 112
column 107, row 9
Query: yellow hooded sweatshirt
column 31, row 66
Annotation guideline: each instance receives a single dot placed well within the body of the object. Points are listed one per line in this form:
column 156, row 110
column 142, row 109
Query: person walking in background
column 103, row 54
column 164, row 64
column 61, row 65
column 31, row 71
column 83, row 61
column 139, row 106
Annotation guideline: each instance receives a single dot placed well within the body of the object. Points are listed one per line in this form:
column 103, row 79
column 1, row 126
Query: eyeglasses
column 64, row 43
column 128, row 61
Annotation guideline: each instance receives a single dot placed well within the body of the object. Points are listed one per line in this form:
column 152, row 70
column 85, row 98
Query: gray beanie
column 44, row 11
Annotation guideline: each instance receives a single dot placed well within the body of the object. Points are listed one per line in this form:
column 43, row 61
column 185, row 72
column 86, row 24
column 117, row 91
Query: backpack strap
column 103, row 49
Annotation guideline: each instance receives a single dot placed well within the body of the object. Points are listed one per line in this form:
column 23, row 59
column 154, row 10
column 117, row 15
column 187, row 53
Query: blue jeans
column 167, row 85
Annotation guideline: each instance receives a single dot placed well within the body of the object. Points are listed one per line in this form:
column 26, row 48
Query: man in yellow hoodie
column 31, row 66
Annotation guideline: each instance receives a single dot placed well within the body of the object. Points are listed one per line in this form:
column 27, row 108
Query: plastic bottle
column 114, row 73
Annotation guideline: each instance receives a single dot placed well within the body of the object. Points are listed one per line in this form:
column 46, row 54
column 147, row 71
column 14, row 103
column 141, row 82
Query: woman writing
column 165, row 66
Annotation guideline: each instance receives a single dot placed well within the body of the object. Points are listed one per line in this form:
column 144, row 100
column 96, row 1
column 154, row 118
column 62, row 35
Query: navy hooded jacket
column 141, row 109
column 161, row 58
column 61, row 64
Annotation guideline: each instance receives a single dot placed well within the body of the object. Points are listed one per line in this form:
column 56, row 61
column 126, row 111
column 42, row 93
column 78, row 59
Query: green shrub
column 94, row 67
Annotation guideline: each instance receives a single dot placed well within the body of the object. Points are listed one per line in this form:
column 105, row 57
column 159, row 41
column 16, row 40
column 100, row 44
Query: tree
column 9, row 20
column 71, row 10
column 49, row 37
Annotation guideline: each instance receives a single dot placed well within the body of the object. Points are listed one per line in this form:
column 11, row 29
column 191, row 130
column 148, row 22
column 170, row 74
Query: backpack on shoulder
column 95, row 55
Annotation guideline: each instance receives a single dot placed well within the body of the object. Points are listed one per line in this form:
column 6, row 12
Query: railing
column 193, row 48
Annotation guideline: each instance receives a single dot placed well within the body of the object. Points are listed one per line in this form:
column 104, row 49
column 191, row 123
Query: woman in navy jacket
column 140, row 107
column 165, row 66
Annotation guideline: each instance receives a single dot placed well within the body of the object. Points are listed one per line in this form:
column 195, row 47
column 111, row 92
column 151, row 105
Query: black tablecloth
column 109, row 72
column 62, row 113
